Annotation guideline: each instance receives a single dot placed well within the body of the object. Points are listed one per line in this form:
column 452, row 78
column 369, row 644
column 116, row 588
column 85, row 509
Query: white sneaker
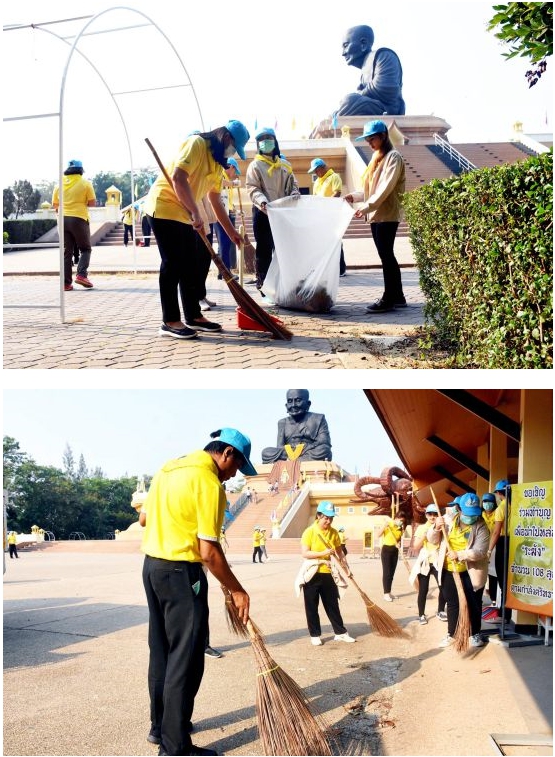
column 344, row 637
column 205, row 305
column 476, row 641
column 423, row 620
column 316, row 641
column 388, row 597
column 446, row 642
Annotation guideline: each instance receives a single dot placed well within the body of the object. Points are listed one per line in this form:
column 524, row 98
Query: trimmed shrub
column 28, row 230
column 483, row 242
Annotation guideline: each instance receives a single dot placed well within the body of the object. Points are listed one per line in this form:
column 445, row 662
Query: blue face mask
column 468, row 520
column 489, row 506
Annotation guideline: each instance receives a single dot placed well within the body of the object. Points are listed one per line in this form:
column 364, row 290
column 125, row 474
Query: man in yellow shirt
column 328, row 184
column 185, row 506
column 78, row 196
column 499, row 539
column 12, row 544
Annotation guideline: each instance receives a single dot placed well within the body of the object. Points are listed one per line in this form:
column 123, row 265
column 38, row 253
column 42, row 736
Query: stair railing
column 463, row 162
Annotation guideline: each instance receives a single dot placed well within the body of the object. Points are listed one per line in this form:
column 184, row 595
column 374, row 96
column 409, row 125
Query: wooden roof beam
column 484, row 411
column 458, row 456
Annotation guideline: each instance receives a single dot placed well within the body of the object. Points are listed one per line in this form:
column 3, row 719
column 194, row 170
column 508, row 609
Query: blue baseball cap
column 267, row 130
column 316, row 163
column 456, row 501
column 75, row 164
column 501, row 485
column 233, row 162
column 371, row 128
column 488, row 498
column 240, row 135
column 326, row 508
column 242, row 444
column 432, row 509
column 470, row 504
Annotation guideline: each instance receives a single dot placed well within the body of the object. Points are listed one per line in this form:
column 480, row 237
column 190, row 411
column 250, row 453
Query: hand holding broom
column 285, row 721
column 462, row 632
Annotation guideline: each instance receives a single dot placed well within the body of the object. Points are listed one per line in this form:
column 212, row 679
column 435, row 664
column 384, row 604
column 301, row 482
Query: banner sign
column 530, row 531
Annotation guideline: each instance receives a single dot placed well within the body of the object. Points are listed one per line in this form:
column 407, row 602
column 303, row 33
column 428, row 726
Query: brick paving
column 115, row 325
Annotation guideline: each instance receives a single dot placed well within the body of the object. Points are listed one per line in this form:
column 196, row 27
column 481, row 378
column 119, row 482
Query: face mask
column 267, row 146
column 399, row 523
column 468, row 520
column 230, row 150
column 489, row 506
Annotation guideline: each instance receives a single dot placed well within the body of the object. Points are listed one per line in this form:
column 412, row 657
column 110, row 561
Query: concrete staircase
column 490, row 154
column 114, row 238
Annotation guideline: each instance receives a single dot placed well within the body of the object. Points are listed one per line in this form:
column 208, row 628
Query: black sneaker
column 155, row 736
column 184, row 333
column 210, row 652
column 204, row 326
column 380, row 306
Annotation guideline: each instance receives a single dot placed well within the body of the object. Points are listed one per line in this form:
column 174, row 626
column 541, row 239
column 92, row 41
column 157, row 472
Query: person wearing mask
column 391, row 535
column 185, row 506
column 384, row 186
column 128, row 218
column 499, row 540
column 268, row 178
column 78, row 197
column 464, row 553
column 318, row 543
column 175, row 217
column 227, row 249
column 427, row 560
column 489, row 506
column 328, row 184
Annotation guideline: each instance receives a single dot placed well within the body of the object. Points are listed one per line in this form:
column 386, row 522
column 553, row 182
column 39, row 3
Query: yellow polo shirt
column 312, row 539
column 489, row 519
column 328, row 184
column 392, row 534
column 204, row 175
column 458, row 541
column 186, row 502
column 501, row 516
column 430, row 548
column 77, row 192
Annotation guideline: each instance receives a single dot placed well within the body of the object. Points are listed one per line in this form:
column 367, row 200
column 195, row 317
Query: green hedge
column 483, row 243
column 20, row 232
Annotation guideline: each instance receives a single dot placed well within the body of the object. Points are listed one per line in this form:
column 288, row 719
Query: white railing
column 465, row 164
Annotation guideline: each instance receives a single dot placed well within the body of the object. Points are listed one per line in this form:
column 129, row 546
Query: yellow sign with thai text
column 530, row 570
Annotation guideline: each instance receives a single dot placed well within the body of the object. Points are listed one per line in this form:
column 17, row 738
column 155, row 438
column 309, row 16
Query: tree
column 27, row 199
column 9, row 202
column 143, row 179
column 68, row 461
column 528, row 30
column 82, row 471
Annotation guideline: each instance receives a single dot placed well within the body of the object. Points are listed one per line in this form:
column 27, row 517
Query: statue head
column 297, row 403
column 357, row 43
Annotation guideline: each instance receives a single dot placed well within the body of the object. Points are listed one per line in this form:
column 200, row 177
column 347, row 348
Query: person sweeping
column 391, row 535
column 319, row 542
column 465, row 549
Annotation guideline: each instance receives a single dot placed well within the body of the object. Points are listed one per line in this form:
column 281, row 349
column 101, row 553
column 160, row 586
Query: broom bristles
column 462, row 631
column 378, row 619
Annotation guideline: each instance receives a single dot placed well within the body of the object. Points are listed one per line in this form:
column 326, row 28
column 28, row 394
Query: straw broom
column 378, row 619
column 400, row 543
column 462, row 632
column 285, row 721
column 249, row 252
column 251, row 308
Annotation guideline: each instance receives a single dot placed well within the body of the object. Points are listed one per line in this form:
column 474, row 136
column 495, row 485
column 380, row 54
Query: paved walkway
column 115, row 325
column 75, row 666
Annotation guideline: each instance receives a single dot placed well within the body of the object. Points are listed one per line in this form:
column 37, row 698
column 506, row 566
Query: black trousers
column 390, row 557
column 184, row 266
column 501, row 557
column 264, row 244
column 177, row 598
column 384, row 237
column 77, row 233
column 451, row 595
column 423, row 586
column 322, row 586
column 257, row 551
column 145, row 228
column 13, row 550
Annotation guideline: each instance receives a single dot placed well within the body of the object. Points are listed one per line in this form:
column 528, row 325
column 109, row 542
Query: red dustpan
column 249, row 324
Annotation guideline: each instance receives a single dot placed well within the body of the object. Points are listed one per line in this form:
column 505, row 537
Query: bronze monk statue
column 301, row 427
column 381, row 80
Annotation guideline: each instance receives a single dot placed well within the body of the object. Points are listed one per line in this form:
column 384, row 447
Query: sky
column 261, row 64
column 134, row 431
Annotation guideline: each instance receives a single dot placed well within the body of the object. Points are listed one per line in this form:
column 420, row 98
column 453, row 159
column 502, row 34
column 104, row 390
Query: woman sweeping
column 384, row 186
column 319, row 542
column 426, row 566
column 175, row 217
column 465, row 553
column 391, row 535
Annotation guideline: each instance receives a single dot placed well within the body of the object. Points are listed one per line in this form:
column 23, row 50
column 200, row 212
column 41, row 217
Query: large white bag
column 307, row 231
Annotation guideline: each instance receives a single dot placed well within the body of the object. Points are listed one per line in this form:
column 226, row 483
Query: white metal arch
column 60, row 114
